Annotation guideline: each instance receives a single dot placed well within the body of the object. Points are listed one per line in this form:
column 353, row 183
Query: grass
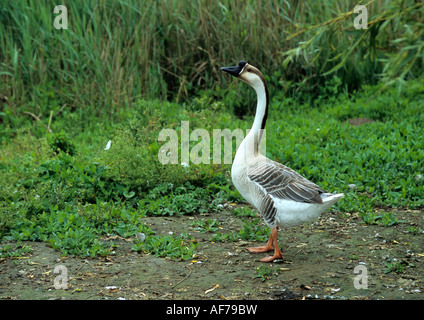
column 414, row 230
column 266, row 272
column 18, row 251
column 207, row 225
column 386, row 219
column 397, row 267
column 244, row 212
column 252, row 230
column 175, row 247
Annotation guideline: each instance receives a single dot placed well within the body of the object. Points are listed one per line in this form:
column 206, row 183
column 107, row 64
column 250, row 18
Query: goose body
column 282, row 196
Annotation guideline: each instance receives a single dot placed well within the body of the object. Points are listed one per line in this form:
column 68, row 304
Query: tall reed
column 116, row 51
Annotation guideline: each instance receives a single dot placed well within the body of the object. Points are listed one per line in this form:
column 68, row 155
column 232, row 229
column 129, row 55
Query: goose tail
column 327, row 196
column 331, row 198
column 328, row 199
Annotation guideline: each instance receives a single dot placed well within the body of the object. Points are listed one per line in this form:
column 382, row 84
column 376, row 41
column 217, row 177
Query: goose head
column 252, row 76
column 247, row 73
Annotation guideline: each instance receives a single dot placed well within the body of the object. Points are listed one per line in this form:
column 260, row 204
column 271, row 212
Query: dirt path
column 325, row 260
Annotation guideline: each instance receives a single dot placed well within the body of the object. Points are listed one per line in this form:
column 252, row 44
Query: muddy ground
column 320, row 263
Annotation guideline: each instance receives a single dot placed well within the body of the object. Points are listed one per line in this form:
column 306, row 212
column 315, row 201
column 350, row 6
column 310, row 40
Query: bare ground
column 320, row 263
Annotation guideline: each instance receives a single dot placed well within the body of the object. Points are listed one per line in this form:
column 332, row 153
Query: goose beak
column 236, row 70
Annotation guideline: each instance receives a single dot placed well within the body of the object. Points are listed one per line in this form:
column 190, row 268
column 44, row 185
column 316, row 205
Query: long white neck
column 261, row 107
column 249, row 148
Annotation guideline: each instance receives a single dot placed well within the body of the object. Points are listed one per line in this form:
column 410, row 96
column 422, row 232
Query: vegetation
column 125, row 70
column 265, row 272
column 180, row 247
column 115, row 52
column 397, row 267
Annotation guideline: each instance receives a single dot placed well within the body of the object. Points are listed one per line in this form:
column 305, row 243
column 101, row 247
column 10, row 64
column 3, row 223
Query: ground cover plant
column 72, row 199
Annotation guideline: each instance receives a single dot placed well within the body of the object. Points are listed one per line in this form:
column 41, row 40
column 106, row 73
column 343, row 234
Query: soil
column 337, row 257
column 359, row 121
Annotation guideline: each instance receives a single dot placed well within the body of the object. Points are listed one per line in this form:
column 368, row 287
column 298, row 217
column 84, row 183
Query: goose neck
column 256, row 132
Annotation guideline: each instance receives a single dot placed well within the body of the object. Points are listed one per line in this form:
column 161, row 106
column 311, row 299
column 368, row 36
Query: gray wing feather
column 283, row 182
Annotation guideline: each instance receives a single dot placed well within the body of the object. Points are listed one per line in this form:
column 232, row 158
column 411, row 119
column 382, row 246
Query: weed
column 166, row 199
column 414, row 230
column 18, row 251
column 252, row 230
column 175, row 247
column 386, row 219
column 397, row 267
column 208, row 225
column 265, row 273
column 224, row 190
column 61, row 142
column 79, row 232
column 244, row 212
column 353, row 256
column 81, row 241
column 224, row 237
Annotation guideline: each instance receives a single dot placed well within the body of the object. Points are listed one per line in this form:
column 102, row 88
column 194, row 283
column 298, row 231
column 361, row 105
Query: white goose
column 282, row 196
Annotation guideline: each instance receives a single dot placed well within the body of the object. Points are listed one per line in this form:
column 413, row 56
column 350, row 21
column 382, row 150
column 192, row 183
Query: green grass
column 266, row 272
column 386, row 219
column 252, row 230
column 78, row 232
column 12, row 252
column 185, row 199
column 397, row 267
column 244, row 212
column 207, row 225
column 175, row 247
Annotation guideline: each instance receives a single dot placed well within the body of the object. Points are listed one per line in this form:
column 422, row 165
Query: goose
column 282, row 196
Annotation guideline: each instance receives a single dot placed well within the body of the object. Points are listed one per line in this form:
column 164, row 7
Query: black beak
column 235, row 71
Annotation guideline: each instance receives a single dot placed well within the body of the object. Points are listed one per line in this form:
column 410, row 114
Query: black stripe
column 268, row 210
column 266, row 106
column 265, row 114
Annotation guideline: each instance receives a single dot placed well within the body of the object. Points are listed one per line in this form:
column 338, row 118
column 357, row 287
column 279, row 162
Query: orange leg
column 272, row 243
column 268, row 247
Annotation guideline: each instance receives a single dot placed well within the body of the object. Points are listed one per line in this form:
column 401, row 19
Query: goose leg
column 277, row 252
column 268, row 247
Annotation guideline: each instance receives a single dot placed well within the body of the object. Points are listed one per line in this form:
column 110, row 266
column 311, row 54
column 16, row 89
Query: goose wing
column 282, row 182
